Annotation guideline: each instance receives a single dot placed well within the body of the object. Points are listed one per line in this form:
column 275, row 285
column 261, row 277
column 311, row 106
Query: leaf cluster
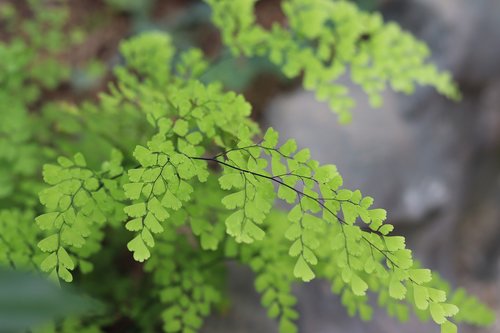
column 174, row 170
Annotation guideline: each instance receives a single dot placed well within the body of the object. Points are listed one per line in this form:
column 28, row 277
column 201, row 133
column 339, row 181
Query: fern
column 326, row 39
column 79, row 202
column 28, row 66
column 177, row 166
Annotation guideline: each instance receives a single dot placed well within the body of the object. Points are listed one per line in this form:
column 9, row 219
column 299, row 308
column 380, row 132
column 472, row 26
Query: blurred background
column 433, row 164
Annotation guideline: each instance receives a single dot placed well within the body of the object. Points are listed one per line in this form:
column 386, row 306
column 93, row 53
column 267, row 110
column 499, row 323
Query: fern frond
column 326, row 39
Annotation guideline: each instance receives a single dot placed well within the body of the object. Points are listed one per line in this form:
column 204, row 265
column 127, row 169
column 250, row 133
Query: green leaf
column 49, row 244
column 171, row 201
column 420, row 275
column 229, row 180
column 65, row 259
column 65, row 162
column 303, row 155
column 234, row 200
column 155, row 207
column 289, row 147
column 394, row 243
column 80, row 160
column 448, row 327
column 302, row 270
column 133, row 190
column 296, row 248
column 449, row 309
column 270, row 138
column 254, row 231
column 436, row 295
column 386, row 229
column 136, row 210
column 350, row 212
column 152, row 224
column 64, row 274
column 46, row 221
column 437, row 313
column 396, row 289
column 293, row 232
column 286, row 326
column 134, row 225
column 421, row 296
column 139, row 249
column 358, row 286
column 343, row 195
column 378, row 214
column 287, row 194
column 49, row 263
column 181, row 127
column 295, row 214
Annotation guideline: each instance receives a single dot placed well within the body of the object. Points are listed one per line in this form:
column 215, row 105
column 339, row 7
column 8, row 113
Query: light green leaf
column 420, row 275
column 293, row 232
column 152, row 224
column 65, row 259
column 49, row 244
column 394, row 243
column 136, row 210
column 64, row 274
column 139, row 249
column 289, row 147
column 302, row 270
column 303, row 155
column 49, row 263
column 448, row 327
column 133, row 190
column 135, row 224
column 229, row 180
column 449, row 309
column 437, row 313
column 287, row 194
column 46, row 221
column 420, row 295
column 296, row 248
column 181, row 127
column 234, row 200
column 386, row 229
column 270, row 138
column 80, row 160
column 171, row 201
column 286, row 326
column 358, row 285
column 396, row 289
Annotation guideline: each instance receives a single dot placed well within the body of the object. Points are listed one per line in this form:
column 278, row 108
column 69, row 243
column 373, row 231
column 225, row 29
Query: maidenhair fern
column 29, row 66
column 180, row 165
column 324, row 40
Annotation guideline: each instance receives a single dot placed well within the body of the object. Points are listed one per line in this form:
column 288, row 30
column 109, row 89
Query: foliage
column 180, row 166
column 327, row 39
column 29, row 66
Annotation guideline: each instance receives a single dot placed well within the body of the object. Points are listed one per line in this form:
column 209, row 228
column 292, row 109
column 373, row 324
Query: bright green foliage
column 28, row 66
column 18, row 240
column 192, row 182
column 78, row 203
column 205, row 213
column 188, row 282
column 325, row 39
column 270, row 261
column 330, row 231
column 70, row 325
column 323, row 226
